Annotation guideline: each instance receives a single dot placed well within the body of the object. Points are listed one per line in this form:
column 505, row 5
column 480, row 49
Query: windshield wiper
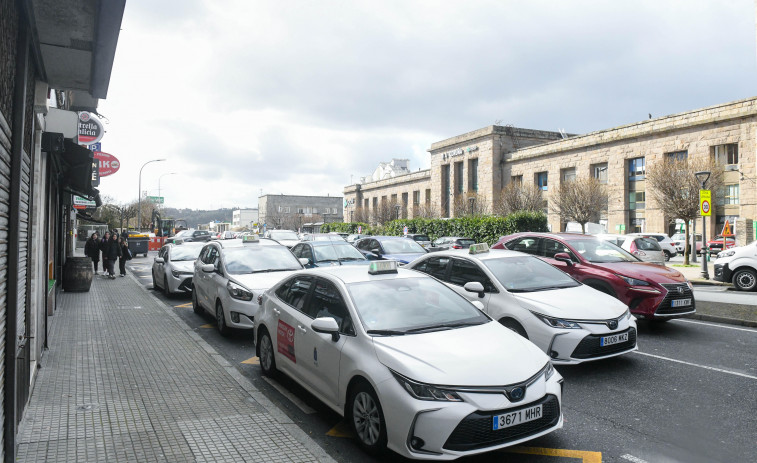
column 386, row 332
column 540, row 288
column 441, row 326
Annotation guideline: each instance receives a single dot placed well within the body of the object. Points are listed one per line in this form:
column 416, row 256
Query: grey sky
column 294, row 97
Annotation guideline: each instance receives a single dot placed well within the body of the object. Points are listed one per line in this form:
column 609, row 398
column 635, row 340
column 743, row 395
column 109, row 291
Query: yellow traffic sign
column 705, row 203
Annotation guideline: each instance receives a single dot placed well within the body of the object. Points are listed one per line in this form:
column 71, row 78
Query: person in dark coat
column 92, row 249
column 125, row 255
column 111, row 252
column 103, row 244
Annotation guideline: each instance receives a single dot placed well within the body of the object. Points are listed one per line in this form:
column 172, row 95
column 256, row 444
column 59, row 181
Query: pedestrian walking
column 103, row 244
column 92, row 249
column 125, row 255
column 111, row 251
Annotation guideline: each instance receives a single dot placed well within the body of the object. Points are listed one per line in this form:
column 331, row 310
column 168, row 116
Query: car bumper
column 722, row 273
column 655, row 303
column 574, row 346
column 180, row 284
column 450, row 430
column 240, row 314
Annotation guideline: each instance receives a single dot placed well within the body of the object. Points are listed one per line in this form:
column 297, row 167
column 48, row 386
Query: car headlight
column 633, row 281
column 422, row 391
column 238, row 292
column 691, row 286
column 177, row 274
column 558, row 322
column 549, row 371
column 726, row 254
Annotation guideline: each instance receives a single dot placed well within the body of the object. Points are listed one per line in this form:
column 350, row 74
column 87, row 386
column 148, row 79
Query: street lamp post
column 397, row 209
column 139, row 196
column 170, row 173
column 703, row 176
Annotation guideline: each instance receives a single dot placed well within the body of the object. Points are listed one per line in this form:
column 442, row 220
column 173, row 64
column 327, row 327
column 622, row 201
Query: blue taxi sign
column 478, row 248
column 384, row 266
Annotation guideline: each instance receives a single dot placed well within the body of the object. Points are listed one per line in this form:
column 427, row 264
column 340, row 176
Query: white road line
column 292, row 398
column 718, row 326
column 633, row 458
column 736, row 373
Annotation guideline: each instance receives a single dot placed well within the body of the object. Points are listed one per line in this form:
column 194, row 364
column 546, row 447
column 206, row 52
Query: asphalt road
column 688, row 395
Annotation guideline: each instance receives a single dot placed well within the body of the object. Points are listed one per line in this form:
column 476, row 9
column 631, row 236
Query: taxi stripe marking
column 183, row 306
column 585, row 455
column 341, row 429
column 292, row 398
column 720, row 370
column 251, row 361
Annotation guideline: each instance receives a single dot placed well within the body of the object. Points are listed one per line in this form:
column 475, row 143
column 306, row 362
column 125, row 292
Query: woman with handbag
column 125, row 255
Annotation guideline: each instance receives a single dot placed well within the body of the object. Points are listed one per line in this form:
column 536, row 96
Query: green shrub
column 341, row 227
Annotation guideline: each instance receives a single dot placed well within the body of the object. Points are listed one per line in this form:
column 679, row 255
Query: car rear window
column 647, row 244
column 421, row 238
column 466, row 242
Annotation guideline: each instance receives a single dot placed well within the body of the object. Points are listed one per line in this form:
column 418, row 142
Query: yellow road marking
column 584, row 455
column 183, row 306
column 340, row 430
column 252, row 361
column 207, row 325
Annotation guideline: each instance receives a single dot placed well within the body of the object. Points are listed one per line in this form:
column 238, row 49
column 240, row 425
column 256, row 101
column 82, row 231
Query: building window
column 726, row 154
column 417, row 197
column 428, row 196
column 599, row 171
column 473, row 169
column 677, row 155
column 517, row 179
column 284, row 209
column 541, row 180
column 636, row 200
column 366, row 203
column 731, row 194
column 459, row 177
column 637, row 169
column 568, row 175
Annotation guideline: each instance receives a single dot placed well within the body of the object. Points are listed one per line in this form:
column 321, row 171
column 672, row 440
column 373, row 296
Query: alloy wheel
column 365, row 414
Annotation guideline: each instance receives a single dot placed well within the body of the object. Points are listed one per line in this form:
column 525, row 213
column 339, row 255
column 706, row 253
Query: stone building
column 292, row 212
column 478, row 164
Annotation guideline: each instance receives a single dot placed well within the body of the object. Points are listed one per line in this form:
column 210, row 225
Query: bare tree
column 519, row 197
column 579, row 200
column 361, row 214
column 470, row 204
column 385, row 212
column 425, row 211
column 675, row 189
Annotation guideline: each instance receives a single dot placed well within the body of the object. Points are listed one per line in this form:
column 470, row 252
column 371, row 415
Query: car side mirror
column 479, row 305
column 475, row 287
column 304, row 261
column 159, row 260
column 564, row 257
column 208, row 268
column 376, row 251
column 326, row 325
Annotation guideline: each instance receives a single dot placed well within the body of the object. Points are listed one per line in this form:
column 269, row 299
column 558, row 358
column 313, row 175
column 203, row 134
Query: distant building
column 244, row 218
column 292, row 212
column 385, row 170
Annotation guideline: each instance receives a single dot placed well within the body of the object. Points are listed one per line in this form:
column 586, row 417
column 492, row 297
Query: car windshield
column 185, row 252
column 401, row 246
column 284, row 235
column 465, row 242
column 202, row 233
column 183, row 233
column 678, row 236
column 527, row 273
column 337, row 252
column 257, row 258
column 406, row 305
column 601, row 252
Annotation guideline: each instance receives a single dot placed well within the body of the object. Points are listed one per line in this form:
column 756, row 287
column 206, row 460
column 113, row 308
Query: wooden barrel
column 77, row 274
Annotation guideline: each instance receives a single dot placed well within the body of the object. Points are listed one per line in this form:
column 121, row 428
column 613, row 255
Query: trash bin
column 138, row 244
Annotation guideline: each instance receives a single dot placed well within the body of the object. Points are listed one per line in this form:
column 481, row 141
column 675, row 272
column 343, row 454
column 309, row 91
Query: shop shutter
column 5, row 183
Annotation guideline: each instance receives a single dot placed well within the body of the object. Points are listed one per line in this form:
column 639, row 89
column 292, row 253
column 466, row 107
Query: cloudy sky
column 298, row 97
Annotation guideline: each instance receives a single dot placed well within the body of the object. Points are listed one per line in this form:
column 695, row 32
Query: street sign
column 155, row 199
column 705, row 203
column 404, row 230
column 109, row 164
column 95, row 147
column 726, row 229
column 359, row 229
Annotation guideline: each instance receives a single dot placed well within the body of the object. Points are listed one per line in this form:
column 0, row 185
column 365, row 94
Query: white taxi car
column 172, row 270
column 230, row 274
column 411, row 365
column 571, row 322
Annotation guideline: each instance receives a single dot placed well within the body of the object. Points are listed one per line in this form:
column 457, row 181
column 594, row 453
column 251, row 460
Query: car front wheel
column 367, row 419
column 195, row 303
column 745, row 279
column 223, row 330
column 267, row 360
column 667, row 256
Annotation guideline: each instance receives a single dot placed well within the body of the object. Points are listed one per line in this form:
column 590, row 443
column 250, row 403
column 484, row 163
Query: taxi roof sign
column 384, row 266
column 250, row 239
column 478, row 248
column 178, row 241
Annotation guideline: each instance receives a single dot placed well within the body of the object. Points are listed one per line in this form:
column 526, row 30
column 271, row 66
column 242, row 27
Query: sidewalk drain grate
column 87, row 407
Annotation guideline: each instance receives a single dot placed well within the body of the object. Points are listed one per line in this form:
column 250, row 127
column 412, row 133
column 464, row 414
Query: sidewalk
column 126, row 380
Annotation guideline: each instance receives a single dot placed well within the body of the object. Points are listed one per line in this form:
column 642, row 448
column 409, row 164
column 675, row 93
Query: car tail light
column 456, row 246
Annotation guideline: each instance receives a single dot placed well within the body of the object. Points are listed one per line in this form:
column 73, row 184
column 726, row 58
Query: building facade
column 244, row 218
column 478, row 165
column 292, row 212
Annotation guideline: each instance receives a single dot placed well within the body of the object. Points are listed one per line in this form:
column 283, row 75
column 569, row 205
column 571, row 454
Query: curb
column 702, row 282
column 276, row 414
column 730, row 321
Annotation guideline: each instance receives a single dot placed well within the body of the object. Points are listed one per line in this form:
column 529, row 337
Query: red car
column 651, row 291
column 715, row 245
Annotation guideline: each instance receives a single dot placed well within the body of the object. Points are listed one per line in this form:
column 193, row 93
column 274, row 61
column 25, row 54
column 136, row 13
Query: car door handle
column 277, row 312
column 301, row 328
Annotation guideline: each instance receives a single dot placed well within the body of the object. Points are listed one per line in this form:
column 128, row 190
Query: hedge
column 481, row 229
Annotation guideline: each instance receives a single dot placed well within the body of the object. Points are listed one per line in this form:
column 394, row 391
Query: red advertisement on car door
column 285, row 340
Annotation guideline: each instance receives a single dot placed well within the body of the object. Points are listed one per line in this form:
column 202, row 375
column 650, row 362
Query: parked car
column 229, row 275
column 651, row 291
column 286, row 237
column 569, row 321
column 421, row 239
column 680, row 238
column 327, row 253
column 715, row 245
column 396, row 248
column 411, row 365
column 191, row 235
column 354, row 237
column 322, row 237
column 173, row 268
column 738, row 265
column 667, row 244
column 451, row 242
column 644, row 248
